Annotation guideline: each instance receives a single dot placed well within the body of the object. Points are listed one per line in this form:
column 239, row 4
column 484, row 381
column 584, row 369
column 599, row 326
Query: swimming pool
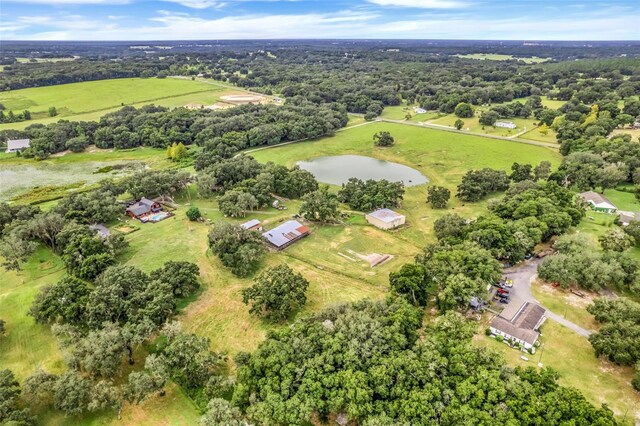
column 157, row 217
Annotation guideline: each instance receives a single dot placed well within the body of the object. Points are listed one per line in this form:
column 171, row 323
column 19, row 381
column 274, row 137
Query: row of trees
column 221, row 132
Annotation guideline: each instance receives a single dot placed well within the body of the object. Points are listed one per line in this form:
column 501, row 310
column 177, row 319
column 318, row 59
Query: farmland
column 326, row 258
column 500, row 57
column 91, row 100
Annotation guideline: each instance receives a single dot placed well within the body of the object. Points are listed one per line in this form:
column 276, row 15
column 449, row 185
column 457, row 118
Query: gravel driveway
column 523, row 275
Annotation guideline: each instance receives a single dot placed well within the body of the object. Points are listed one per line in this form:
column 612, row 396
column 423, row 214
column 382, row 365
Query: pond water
column 339, row 168
column 18, row 178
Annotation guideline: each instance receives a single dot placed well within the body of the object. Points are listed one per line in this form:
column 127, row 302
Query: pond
column 19, row 178
column 339, row 168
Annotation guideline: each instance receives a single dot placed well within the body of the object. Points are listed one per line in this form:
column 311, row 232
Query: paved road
column 522, row 276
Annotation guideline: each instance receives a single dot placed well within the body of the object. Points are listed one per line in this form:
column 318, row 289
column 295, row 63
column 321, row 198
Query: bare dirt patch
column 243, row 99
column 374, row 259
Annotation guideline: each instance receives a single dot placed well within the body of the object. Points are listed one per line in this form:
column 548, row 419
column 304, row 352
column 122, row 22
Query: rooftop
column 386, row 215
column 597, row 199
column 524, row 323
column 250, row 224
column 286, row 233
column 18, row 143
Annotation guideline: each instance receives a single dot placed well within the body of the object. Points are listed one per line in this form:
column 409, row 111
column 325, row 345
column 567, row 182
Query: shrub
column 194, row 214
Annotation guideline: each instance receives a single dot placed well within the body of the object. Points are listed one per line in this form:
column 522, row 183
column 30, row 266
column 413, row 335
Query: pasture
column 92, row 99
column 331, row 258
column 500, row 57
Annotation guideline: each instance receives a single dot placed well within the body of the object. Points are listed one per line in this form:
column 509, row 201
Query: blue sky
column 247, row 19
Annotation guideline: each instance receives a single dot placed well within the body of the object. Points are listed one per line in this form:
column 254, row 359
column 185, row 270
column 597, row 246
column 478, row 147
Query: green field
column 92, row 99
column 329, row 258
column 500, row 57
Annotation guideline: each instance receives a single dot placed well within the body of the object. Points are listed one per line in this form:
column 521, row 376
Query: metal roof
column 18, row 144
column 598, row 200
column 250, row 224
column 286, row 233
column 386, row 215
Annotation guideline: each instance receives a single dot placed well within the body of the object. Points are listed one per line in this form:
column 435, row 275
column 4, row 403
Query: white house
column 385, row 219
column 14, row 145
column 419, row 110
column 523, row 327
column 598, row 202
column 505, row 124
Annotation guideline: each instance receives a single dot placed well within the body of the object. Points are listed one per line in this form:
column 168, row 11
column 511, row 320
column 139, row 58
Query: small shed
column 100, row 229
column 385, row 219
column 252, row 225
column 505, row 124
column 286, row 234
column 625, row 218
column 15, row 145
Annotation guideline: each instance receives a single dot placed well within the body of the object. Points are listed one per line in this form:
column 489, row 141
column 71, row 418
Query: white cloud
column 360, row 23
column 422, row 4
column 199, row 4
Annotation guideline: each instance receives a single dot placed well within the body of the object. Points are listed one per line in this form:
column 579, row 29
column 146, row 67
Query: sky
column 296, row 19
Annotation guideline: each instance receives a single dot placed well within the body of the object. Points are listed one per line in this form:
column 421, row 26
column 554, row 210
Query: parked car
column 528, row 256
column 505, row 301
column 503, row 291
column 508, row 282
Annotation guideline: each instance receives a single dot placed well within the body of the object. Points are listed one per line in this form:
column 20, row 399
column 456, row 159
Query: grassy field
column 526, row 128
column 500, row 57
column 330, row 258
column 572, row 356
column 92, row 99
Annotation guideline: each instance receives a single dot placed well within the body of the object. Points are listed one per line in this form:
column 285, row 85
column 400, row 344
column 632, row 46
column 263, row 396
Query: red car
column 503, row 291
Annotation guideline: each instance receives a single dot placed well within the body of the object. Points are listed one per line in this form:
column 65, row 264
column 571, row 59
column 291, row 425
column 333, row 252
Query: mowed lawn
column 92, row 99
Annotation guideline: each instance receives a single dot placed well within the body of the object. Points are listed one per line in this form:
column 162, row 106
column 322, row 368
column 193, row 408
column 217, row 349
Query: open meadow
column 92, row 99
column 501, row 57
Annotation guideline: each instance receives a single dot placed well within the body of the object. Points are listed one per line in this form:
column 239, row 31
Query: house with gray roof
column 598, row 202
column 142, row 208
column 286, row 234
column 15, row 145
column 523, row 327
column 625, row 218
column 252, row 225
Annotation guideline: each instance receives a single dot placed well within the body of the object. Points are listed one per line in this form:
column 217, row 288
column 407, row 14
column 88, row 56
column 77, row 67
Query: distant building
column 523, row 327
column 419, row 110
column 505, row 124
column 143, row 208
column 15, row 145
column 598, row 202
column 626, row 218
column 99, row 229
column 385, row 219
column 252, row 225
column 193, row 105
column 286, row 234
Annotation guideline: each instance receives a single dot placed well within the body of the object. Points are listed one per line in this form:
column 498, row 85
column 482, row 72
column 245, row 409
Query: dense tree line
column 579, row 263
column 222, row 132
column 36, row 74
column 619, row 337
column 364, row 363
